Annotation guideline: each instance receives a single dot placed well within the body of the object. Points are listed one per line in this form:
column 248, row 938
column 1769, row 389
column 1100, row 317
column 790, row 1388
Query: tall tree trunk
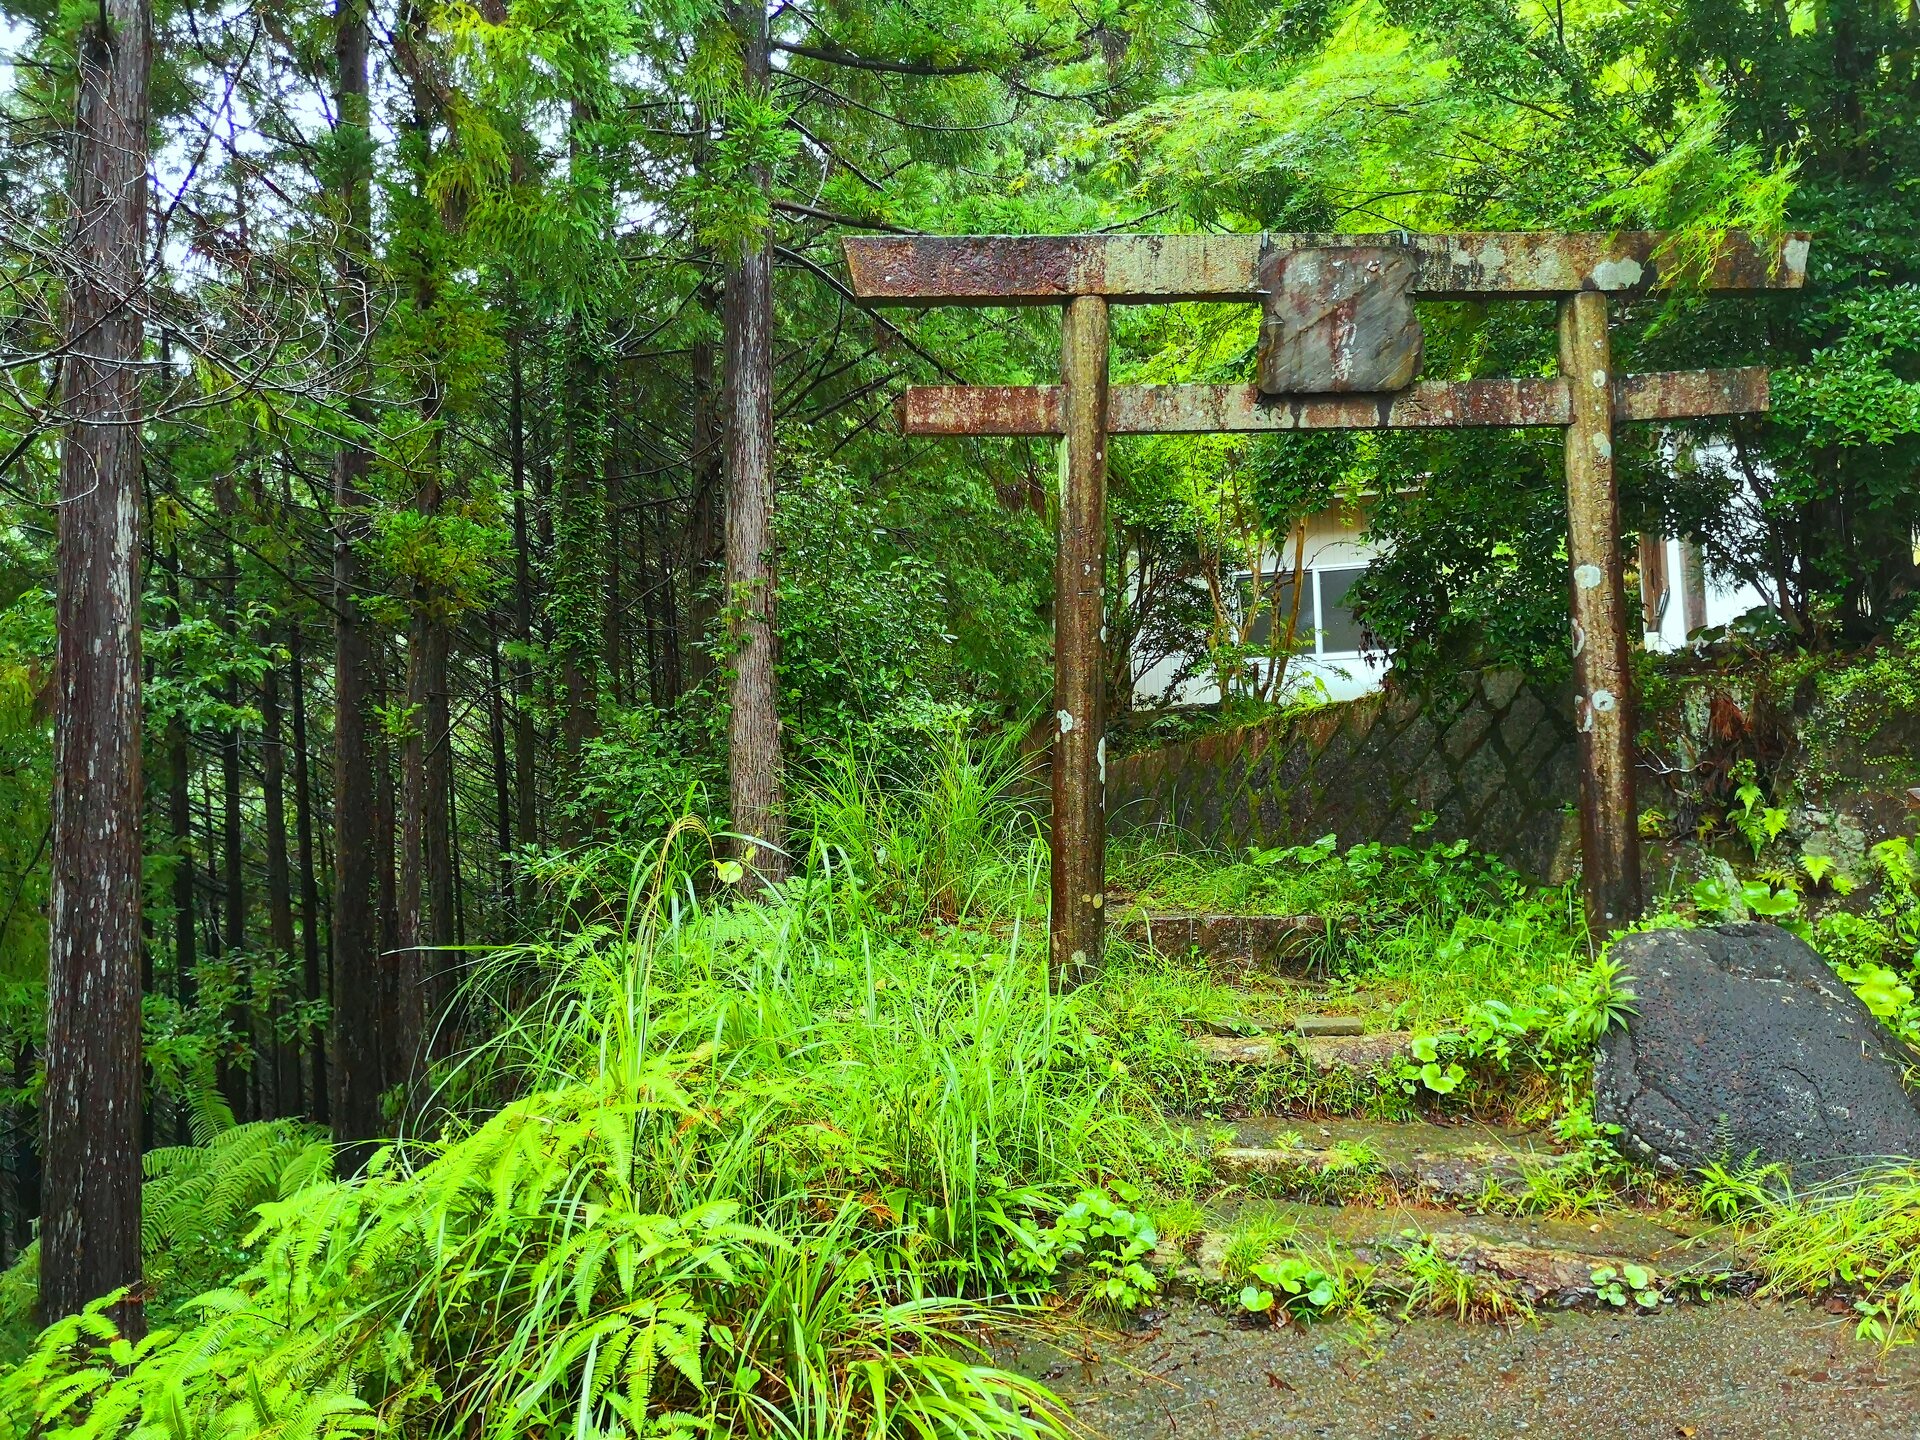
column 706, row 539
column 394, row 932
column 90, row 1238
column 426, row 883
column 452, row 930
column 649, row 597
column 577, row 586
column 386, row 840
column 239, row 1076
column 408, row 961
column 502, row 777
column 526, row 814
column 356, row 1064
column 180, row 822
column 314, row 986
column 579, row 546
column 437, row 966
column 613, row 623
column 753, row 726
column 273, row 765
column 655, row 523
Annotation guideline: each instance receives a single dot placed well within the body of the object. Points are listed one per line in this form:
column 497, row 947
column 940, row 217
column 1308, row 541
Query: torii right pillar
column 1602, row 655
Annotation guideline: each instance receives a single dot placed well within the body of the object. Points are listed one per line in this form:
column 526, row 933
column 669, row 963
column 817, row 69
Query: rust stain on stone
column 1047, row 269
column 1339, row 320
column 1201, row 409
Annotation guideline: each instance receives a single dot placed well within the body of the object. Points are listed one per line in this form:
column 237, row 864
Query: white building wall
column 1726, row 601
column 1337, row 540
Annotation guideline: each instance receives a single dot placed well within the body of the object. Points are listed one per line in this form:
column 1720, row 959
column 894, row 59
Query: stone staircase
column 1362, row 1053
column 1506, row 1207
column 1375, row 1194
column 1417, row 1160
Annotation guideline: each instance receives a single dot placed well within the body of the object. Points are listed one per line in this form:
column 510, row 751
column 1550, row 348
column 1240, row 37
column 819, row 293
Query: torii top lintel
column 1134, row 269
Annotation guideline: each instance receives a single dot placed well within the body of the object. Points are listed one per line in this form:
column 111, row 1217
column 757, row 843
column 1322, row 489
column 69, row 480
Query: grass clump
column 1858, row 1236
column 1433, row 1284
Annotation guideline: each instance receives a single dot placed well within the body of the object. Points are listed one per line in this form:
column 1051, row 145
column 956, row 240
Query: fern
column 199, row 1200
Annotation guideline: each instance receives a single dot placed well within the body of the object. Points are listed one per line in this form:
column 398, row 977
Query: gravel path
column 1734, row 1370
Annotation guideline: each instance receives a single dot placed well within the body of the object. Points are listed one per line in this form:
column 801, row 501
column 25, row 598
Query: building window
column 1340, row 632
column 1261, row 633
column 1327, row 624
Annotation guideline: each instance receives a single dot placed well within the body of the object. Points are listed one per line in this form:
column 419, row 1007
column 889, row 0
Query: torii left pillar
column 1077, row 932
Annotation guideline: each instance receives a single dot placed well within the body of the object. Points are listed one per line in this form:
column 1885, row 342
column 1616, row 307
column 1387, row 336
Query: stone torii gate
column 1339, row 349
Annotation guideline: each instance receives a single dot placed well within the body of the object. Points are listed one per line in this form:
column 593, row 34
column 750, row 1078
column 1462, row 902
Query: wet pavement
column 1732, row 1370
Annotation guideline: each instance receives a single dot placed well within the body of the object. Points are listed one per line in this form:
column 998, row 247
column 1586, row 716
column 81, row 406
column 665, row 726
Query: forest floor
column 1315, row 1158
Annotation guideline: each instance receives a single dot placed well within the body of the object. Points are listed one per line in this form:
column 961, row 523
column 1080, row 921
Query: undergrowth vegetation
column 1857, row 1236
column 1495, row 977
column 742, row 1168
column 780, row 1166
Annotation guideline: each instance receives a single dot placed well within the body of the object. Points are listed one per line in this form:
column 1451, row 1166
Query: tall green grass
column 718, row 1168
column 954, row 836
column 1858, row 1236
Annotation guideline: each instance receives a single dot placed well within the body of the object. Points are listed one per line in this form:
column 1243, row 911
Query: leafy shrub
column 1105, row 1236
column 1299, row 1288
column 1554, row 1030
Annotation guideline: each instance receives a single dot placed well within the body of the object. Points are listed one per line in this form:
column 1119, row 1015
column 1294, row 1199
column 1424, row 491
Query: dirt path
column 1734, row 1370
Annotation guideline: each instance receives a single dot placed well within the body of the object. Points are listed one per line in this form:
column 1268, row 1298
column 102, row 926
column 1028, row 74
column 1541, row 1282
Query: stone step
column 1365, row 1054
column 1411, row 1160
column 1315, row 1026
column 1283, row 945
column 1539, row 1262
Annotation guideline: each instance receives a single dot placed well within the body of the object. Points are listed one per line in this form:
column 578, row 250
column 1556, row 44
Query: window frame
column 1312, row 608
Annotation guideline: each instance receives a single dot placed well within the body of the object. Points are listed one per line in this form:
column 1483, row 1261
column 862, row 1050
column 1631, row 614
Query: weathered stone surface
column 1744, row 1041
column 1417, row 1160
column 1364, row 1053
column 1493, row 761
column 1431, row 1175
column 1325, row 1053
column 1339, row 320
column 1330, row 1025
column 1558, row 1279
column 1236, row 1050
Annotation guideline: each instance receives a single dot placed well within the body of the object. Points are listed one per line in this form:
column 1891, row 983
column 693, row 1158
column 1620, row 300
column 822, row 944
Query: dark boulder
column 1744, row 1041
